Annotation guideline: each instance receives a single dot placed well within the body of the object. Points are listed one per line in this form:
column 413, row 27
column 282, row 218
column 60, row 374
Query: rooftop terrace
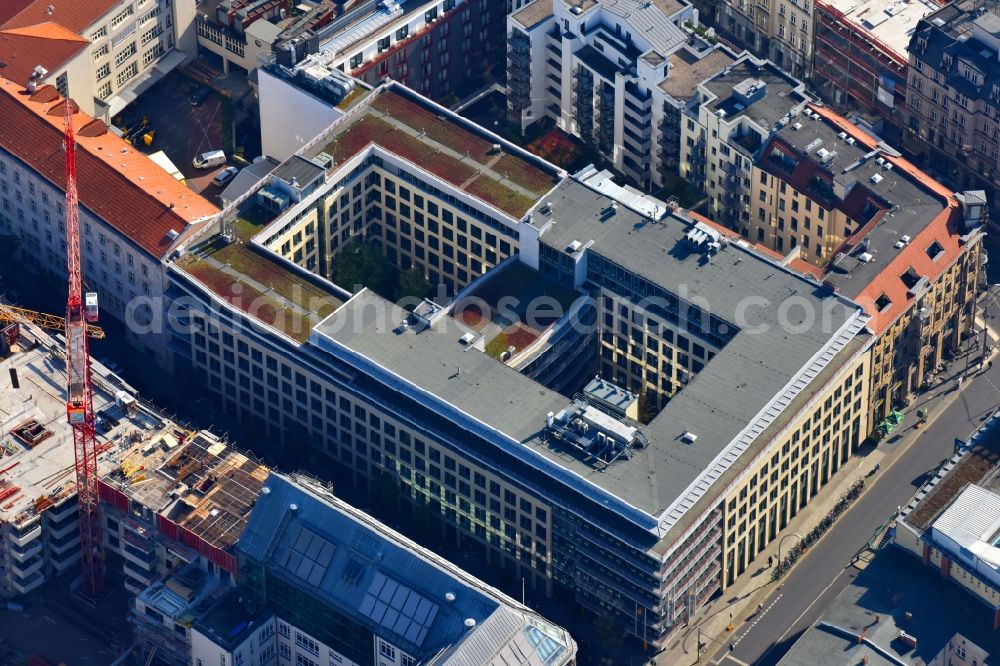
column 259, row 282
column 781, row 93
column 446, row 145
column 488, row 308
column 688, row 69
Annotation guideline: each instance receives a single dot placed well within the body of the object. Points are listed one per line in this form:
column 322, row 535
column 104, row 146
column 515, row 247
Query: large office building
column 879, row 231
column 861, row 56
column 441, row 401
column 324, row 583
column 612, row 73
column 953, row 97
column 102, row 53
column 778, row 30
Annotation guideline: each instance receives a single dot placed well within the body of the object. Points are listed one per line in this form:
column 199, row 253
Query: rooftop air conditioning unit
column 888, row 166
column 866, row 257
column 689, row 437
column 797, row 126
column 880, row 161
column 876, row 178
column 905, row 239
column 850, row 141
column 842, row 136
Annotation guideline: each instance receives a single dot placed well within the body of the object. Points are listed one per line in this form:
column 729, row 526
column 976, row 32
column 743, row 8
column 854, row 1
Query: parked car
column 209, row 160
column 200, row 97
column 225, row 175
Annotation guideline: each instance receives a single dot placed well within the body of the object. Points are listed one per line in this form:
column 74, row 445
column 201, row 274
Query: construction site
column 170, row 497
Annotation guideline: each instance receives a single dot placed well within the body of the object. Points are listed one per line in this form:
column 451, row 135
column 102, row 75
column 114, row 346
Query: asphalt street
column 826, row 569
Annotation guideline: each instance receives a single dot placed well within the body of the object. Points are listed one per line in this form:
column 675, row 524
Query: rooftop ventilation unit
column 905, row 239
column 842, row 136
column 866, row 257
column 689, row 437
column 876, row 178
column 813, row 145
column 850, row 141
column 797, row 126
column 467, row 338
column 574, row 246
column 880, row 161
column 888, row 166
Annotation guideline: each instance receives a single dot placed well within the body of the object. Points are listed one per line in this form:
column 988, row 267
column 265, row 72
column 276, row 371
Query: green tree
column 362, row 263
column 412, row 284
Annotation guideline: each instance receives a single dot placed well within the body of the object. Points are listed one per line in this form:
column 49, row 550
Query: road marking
column 796, row 621
column 757, row 618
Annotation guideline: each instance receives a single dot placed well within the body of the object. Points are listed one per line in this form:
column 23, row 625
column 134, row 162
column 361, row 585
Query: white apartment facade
column 123, row 48
column 596, row 69
column 135, row 41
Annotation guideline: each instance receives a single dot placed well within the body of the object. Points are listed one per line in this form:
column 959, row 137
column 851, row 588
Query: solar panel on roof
column 398, row 608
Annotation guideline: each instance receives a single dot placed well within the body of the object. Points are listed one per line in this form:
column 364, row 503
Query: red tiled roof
column 47, row 44
column 116, row 182
column 11, row 8
column 943, row 229
column 74, row 15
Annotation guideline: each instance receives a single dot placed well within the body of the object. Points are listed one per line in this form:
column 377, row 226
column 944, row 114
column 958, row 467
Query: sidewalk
column 737, row 606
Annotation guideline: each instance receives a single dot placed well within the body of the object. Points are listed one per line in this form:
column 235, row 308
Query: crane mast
column 79, row 394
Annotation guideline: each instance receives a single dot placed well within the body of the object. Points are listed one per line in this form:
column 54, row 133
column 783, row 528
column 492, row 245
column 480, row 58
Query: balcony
column 26, row 569
column 65, row 560
column 20, row 538
column 33, row 548
column 61, row 529
column 26, row 585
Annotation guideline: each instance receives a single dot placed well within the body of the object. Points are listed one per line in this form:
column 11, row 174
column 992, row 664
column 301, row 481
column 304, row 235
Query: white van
column 209, row 160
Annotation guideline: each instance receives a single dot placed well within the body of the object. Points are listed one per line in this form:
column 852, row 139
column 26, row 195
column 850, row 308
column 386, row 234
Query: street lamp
column 991, row 296
column 793, row 534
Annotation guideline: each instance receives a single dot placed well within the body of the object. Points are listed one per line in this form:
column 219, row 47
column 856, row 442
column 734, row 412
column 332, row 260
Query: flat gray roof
column 783, row 92
column 745, row 376
column 892, row 584
column 718, row 404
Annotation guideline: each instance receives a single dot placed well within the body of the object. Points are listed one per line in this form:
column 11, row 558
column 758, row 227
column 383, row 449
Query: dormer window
column 882, row 303
column 935, row 250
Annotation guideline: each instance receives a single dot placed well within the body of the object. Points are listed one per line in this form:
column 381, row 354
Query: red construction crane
column 80, row 393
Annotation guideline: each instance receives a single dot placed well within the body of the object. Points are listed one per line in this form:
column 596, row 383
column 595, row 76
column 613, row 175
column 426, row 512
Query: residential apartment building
column 323, row 583
column 950, row 523
column 132, row 212
column 778, row 30
column 102, row 53
column 440, row 48
column 596, row 69
column 432, row 404
column 731, row 116
column 861, row 57
column 953, row 97
column 879, row 231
